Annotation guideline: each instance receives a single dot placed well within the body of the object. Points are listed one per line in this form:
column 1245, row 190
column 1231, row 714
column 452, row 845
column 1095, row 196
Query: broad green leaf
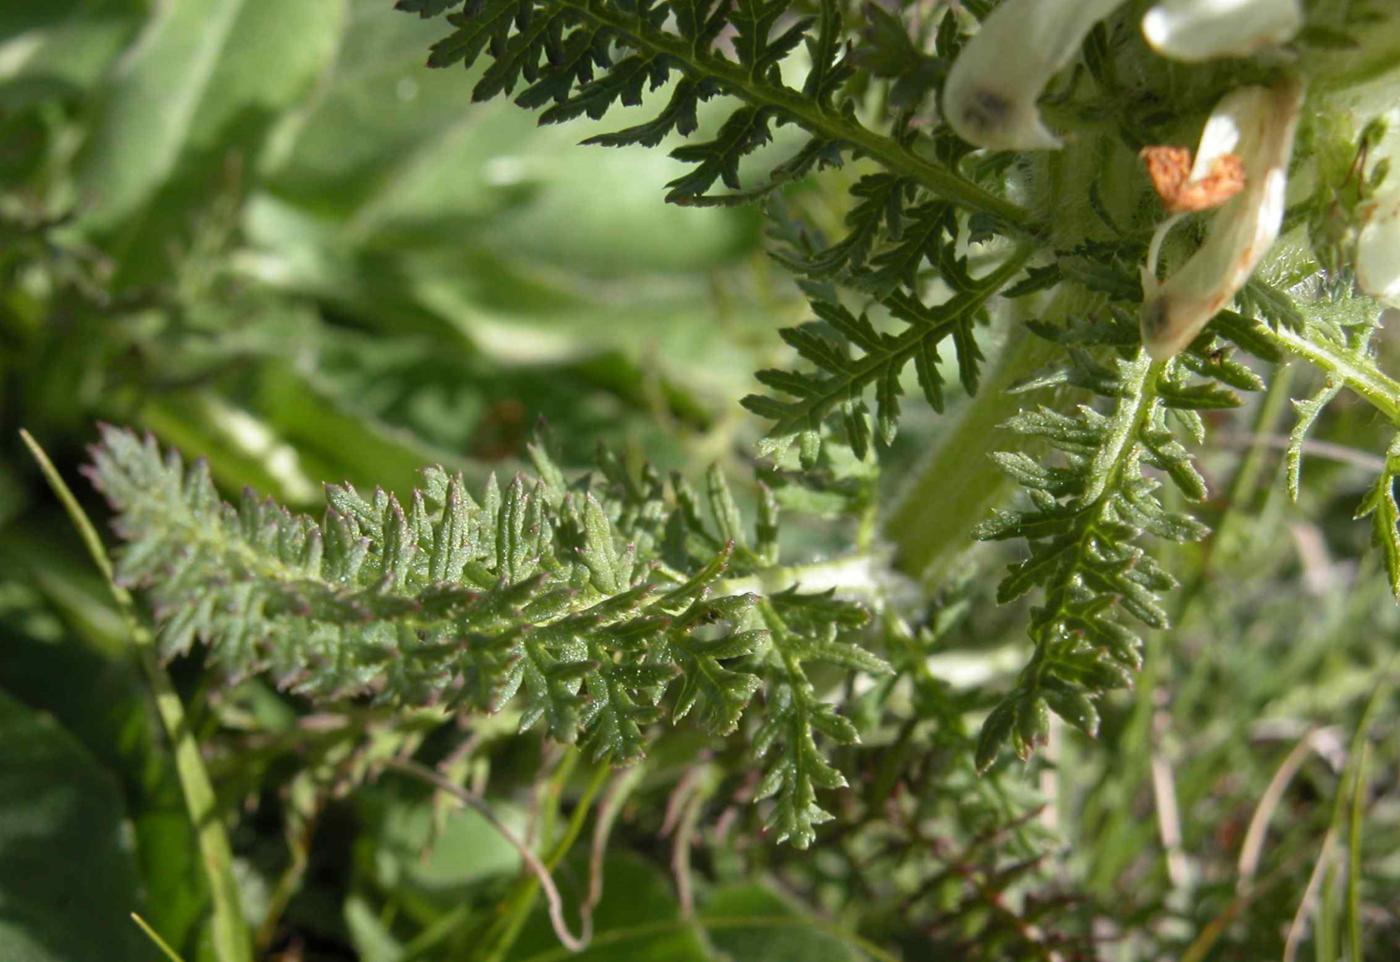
column 630, row 923
column 405, row 157
column 778, row 930
column 103, row 703
column 437, row 855
column 372, row 939
column 202, row 73
column 57, row 46
column 553, row 333
column 68, row 878
column 377, row 108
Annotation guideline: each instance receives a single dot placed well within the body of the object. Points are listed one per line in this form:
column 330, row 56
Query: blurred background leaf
column 64, row 849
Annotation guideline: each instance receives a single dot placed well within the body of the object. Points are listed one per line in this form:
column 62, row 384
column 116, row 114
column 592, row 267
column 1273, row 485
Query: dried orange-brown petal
column 1170, row 169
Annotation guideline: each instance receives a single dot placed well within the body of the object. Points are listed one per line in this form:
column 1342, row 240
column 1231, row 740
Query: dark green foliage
column 600, row 607
column 805, row 628
column 1088, row 508
column 886, row 50
column 426, row 8
column 63, row 845
column 902, row 234
column 841, row 379
column 589, row 56
column 586, row 57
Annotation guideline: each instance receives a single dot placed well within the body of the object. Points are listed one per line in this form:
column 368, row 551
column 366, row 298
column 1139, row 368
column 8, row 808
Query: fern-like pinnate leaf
column 1087, row 510
column 1341, row 345
column 851, row 355
column 571, row 58
column 598, row 606
column 586, row 57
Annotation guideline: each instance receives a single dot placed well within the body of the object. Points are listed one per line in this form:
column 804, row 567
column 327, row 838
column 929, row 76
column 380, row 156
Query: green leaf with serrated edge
column 1075, row 708
column 1202, row 396
column 840, row 379
column 1380, row 506
column 723, row 508
column 995, row 731
column 537, row 593
column 599, row 552
column 1308, row 412
column 1032, row 727
column 515, row 595
column 1087, row 510
column 844, row 654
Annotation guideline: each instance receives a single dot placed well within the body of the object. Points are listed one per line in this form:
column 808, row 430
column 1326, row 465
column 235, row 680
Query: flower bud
column 1195, row 30
column 989, row 99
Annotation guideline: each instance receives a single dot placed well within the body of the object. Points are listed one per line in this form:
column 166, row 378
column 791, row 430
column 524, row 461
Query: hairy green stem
column 958, row 483
column 1366, row 380
column 821, row 120
column 1140, row 390
column 231, row 940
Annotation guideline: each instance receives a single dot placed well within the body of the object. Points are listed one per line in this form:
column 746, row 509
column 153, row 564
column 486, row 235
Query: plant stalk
column 231, row 938
column 952, row 491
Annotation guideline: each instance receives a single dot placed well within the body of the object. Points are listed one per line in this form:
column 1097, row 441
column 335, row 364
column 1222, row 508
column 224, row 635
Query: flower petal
column 1257, row 124
column 1205, row 29
column 1180, row 190
column 1378, row 250
column 989, row 99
